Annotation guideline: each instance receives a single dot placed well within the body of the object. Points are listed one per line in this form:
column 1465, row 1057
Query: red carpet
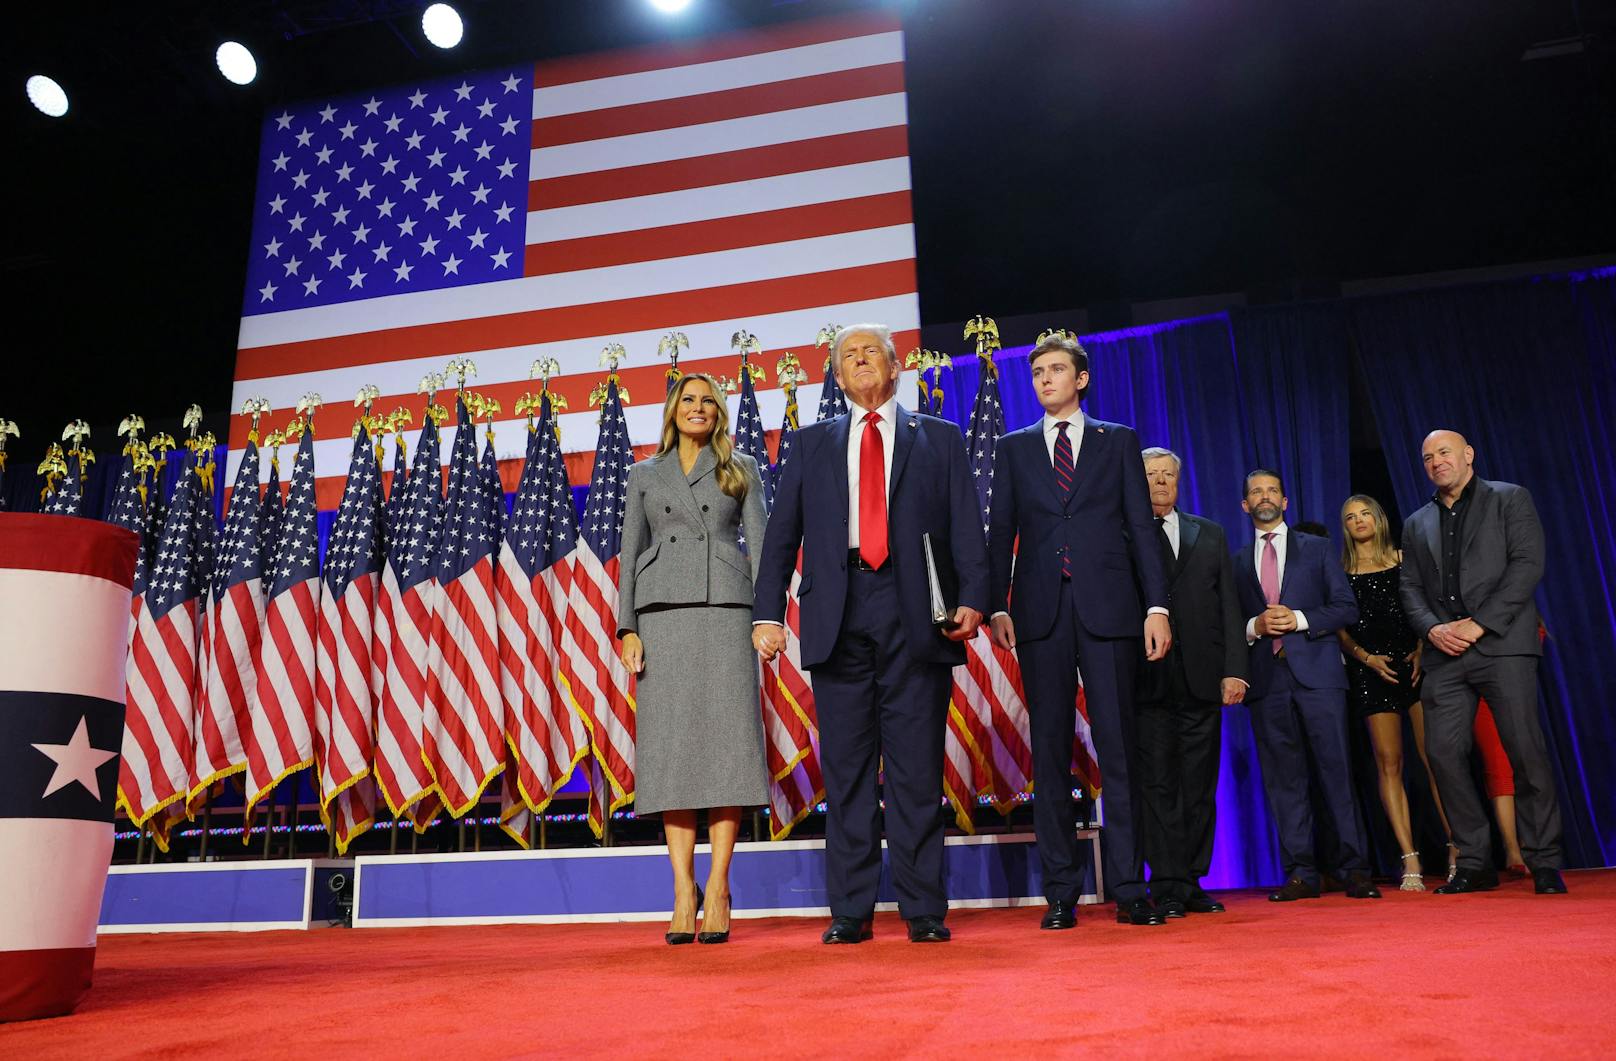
column 1494, row 975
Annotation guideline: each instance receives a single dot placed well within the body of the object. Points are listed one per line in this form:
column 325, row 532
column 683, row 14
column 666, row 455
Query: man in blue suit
column 1073, row 491
column 1296, row 597
column 857, row 496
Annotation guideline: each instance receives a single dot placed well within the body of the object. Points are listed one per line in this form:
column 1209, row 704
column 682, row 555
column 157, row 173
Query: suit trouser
column 1049, row 669
column 879, row 707
column 1510, row 685
column 1283, row 718
column 1180, row 740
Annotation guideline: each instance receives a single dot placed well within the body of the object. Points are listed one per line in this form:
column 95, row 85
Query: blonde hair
column 731, row 476
column 1383, row 549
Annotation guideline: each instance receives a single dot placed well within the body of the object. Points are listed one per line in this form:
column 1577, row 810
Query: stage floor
column 1502, row 974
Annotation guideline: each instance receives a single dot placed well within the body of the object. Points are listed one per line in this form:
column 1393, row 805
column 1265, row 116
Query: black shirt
column 1452, row 519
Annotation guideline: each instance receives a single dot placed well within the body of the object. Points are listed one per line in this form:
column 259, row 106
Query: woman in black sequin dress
column 1383, row 664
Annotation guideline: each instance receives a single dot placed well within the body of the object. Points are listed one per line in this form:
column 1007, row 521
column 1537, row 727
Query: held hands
column 1382, row 666
column 1276, row 620
column 966, row 622
column 1234, row 691
column 633, row 653
column 1158, row 636
column 769, row 639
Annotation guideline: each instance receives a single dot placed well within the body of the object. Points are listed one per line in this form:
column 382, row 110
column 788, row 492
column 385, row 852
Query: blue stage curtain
column 1527, row 372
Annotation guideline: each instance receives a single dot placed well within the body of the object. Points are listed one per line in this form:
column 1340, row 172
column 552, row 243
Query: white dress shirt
column 855, row 441
column 1169, row 526
column 1281, row 550
column 1075, row 433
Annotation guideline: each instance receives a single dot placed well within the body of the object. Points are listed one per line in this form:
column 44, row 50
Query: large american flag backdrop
column 756, row 181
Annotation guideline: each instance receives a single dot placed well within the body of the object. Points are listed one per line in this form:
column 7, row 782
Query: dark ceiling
column 1065, row 153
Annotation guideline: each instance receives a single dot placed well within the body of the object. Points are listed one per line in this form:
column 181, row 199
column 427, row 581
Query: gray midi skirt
column 699, row 726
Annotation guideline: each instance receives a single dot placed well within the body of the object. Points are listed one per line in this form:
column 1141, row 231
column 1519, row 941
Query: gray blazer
column 1500, row 565
column 679, row 537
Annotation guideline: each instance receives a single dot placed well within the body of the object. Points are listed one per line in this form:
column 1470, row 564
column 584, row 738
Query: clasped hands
column 1455, row 637
column 1276, row 620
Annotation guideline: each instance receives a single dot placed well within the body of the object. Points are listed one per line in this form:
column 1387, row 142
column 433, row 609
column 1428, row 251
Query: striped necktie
column 1065, row 473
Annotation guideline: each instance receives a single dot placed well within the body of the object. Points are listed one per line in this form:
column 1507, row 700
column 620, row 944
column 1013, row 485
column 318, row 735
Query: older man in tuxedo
column 1472, row 559
column 859, row 497
column 1071, row 490
column 1180, row 697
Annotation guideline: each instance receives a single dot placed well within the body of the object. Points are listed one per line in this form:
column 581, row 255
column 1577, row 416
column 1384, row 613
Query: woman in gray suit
column 685, row 620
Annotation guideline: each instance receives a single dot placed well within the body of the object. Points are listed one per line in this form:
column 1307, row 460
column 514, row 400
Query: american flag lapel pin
column 913, row 422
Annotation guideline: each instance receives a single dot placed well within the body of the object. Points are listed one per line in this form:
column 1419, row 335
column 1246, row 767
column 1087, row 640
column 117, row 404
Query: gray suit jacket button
column 667, row 509
column 672, row 538
column 701, row 537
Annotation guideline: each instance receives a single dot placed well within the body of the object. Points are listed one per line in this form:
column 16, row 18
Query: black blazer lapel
column 837, row 459
column 1481, row 510
column 1189, row 532
column 1432, row 532
column 1036, row 456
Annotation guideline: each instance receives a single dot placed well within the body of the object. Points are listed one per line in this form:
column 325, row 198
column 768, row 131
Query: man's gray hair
column 1155, row 452
column 880, row 331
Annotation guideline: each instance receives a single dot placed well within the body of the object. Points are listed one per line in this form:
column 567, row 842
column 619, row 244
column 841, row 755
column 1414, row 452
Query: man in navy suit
column 1073, row 491
column 1296, row 597
column 857, row 496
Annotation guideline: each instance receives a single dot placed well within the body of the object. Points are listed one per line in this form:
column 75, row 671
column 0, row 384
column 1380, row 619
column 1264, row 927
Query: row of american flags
column 444, row 642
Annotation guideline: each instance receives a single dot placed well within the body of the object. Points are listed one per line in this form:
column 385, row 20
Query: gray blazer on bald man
column 683, row 549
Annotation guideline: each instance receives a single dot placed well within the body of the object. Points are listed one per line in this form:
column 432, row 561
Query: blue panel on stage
column 637, row 883
column 210, row 895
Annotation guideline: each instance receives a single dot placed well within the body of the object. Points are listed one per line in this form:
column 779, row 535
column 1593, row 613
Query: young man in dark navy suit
column 1072, row 490
column 1296, row 596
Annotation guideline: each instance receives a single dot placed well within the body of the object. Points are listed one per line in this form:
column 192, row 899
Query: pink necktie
column 1268, row 575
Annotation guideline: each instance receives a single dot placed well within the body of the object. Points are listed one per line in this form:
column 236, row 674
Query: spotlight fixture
column 236, row 63
column 442, row 25
column 670, row 7
column 47, row 95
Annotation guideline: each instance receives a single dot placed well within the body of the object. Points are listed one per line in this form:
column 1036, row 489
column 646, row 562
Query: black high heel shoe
column 716, row 937
column 674, row 939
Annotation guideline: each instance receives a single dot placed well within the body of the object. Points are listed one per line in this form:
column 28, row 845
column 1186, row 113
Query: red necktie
column 872, row 493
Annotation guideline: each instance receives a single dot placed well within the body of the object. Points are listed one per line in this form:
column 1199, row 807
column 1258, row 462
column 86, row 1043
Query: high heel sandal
column 1453, row 860
column 716, row 937
column 674, row 939
column 1412, row 882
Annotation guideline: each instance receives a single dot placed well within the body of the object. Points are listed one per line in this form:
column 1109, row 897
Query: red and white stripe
column 790, row 728
column 463, row 730
column 546, row 737
column 989, row 726
column 600, row 687
column 283, row 690
column 399, row 683
column 154, row 773
column 344, row 713
column 757, row 181
column 224, row 720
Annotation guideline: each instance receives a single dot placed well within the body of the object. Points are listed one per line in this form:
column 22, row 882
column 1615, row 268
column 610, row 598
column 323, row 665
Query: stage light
column 670, row 7
column 47, row 95
column 442, row 26
column 236, row 63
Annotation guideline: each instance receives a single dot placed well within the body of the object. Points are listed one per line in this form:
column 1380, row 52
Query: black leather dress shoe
column 1294, row 889
column 1466, row 881
column 1059, row 915
column 1361, row 887
column 847, row 930
column 1203, row 904
column 1139, row 912
column 1547, row 881
column 928, row 929
column 1172, row 908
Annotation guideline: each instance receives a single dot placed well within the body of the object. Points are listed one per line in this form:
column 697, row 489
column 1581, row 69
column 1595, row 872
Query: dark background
column 1066, row 154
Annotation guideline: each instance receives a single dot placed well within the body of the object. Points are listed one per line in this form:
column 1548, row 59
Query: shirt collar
column 888, row 410
column 1171, row 518
column 1279, row 532
column 1464, row 495
column 1076, row 421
